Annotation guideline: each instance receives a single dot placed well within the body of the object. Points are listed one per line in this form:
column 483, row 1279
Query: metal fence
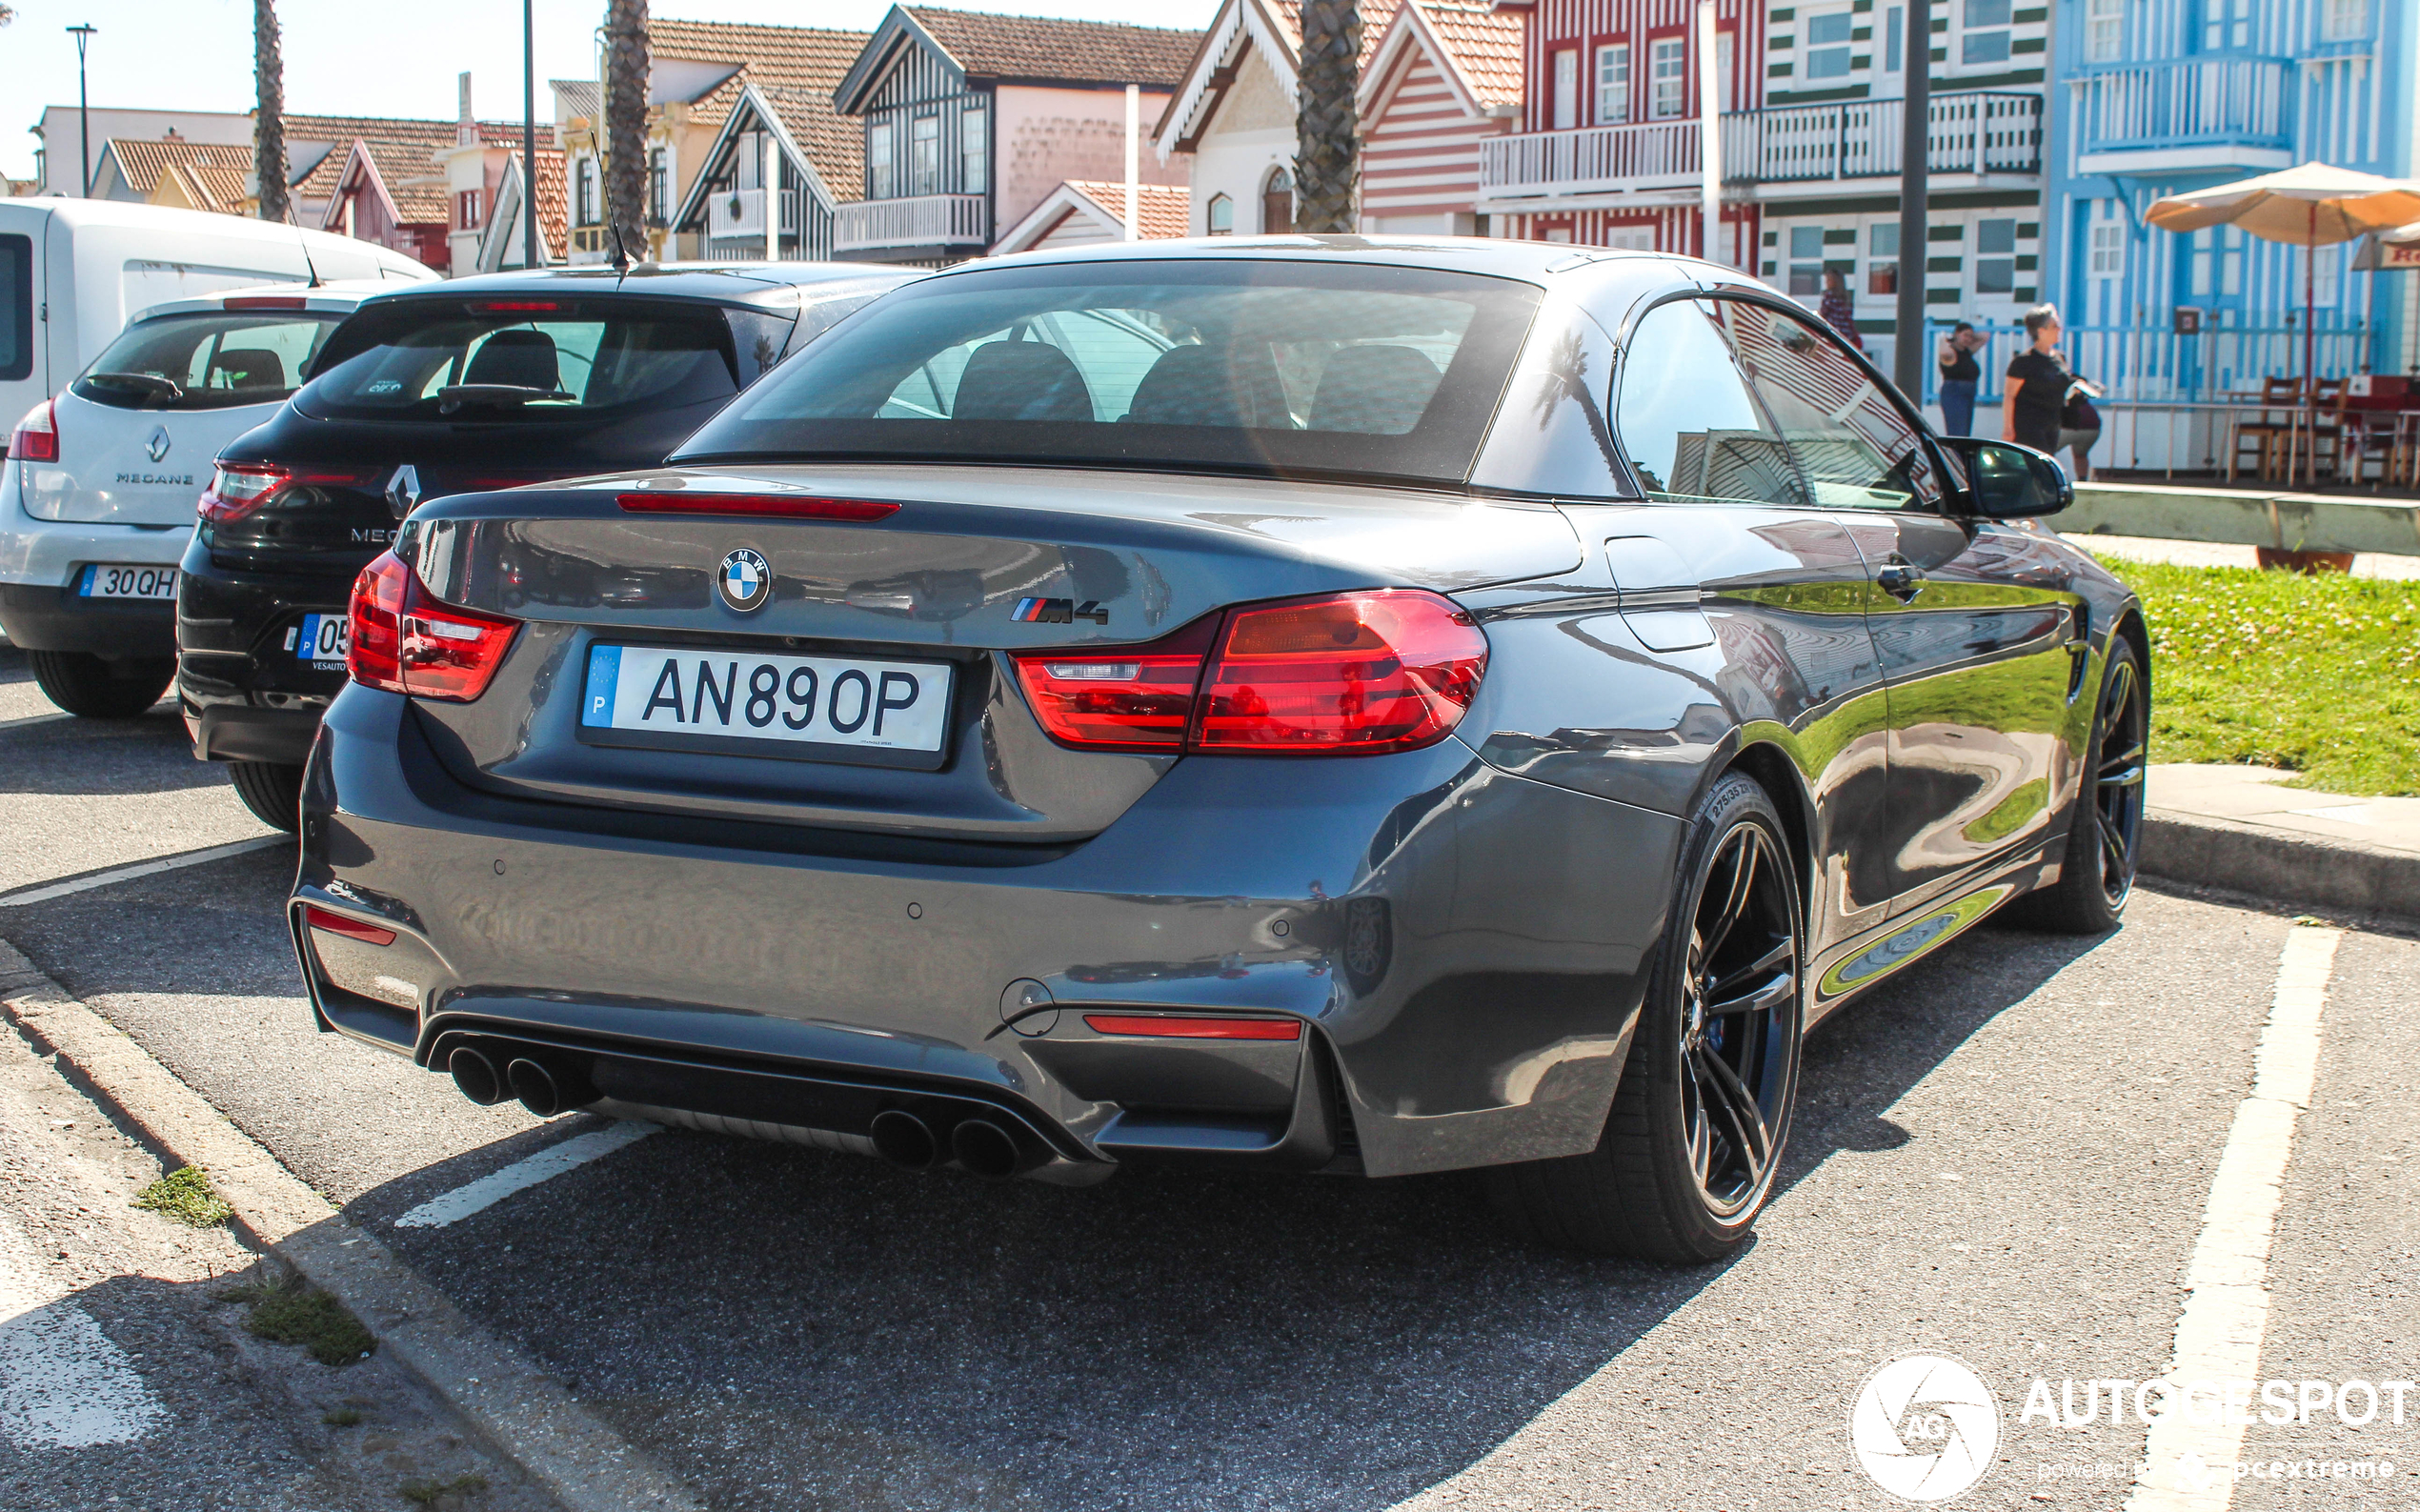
column 2146, row 367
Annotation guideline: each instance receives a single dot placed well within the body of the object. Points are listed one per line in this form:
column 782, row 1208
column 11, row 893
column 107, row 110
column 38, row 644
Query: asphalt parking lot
column 2004, row 1156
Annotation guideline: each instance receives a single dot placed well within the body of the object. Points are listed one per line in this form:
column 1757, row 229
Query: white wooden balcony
column 917, row 220
column 2225, row 112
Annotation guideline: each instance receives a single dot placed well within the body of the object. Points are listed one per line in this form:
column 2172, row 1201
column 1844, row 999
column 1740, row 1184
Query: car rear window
column 209, row 360
column 523, row 359
column 1292, row 366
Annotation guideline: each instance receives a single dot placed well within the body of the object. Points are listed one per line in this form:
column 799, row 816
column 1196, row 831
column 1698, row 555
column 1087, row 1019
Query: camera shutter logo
column 745, row 581
column 1925, row 1428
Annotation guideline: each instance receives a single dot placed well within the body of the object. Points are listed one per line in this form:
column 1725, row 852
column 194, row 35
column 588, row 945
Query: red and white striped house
column 1443, row 78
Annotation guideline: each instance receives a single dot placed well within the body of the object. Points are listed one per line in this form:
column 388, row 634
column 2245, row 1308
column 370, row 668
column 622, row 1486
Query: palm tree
column 1326, row 125
column 626, row 126
column 268, row 123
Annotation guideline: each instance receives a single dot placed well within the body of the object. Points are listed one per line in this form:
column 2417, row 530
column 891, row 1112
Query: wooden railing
column 919, row 220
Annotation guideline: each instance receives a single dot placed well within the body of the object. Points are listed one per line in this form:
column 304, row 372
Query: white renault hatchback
column 98, row 492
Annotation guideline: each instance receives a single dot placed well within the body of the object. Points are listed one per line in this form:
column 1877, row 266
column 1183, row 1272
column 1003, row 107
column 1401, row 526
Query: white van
column 97, row 513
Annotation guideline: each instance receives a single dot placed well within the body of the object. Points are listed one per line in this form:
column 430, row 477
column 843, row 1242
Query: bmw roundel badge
column 745, row 581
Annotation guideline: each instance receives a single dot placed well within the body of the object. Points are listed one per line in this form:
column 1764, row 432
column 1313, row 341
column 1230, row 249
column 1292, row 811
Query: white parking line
column 63, row 1383
column 2189, row 1464
column 521, row 1175
column 126, row 873
column 32, row 718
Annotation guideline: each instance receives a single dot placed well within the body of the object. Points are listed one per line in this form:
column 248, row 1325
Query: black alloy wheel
column 2104, row 837
column 1701, row 1115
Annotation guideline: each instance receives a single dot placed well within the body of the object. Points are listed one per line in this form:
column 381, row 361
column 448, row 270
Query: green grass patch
column 442, row 1493
column 294, row 1312
column 341, row 1417
column 2318, row 675
column 187, row 1196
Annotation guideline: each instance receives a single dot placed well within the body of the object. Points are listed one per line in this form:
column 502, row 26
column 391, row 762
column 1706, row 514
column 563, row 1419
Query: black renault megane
column 1316, row 704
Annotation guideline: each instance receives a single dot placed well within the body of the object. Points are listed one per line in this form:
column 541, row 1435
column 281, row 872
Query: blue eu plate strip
column 92, row 571
column 604, row 672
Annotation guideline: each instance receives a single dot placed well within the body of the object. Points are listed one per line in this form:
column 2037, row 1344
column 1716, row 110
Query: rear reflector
column 1172, row 1026
column 778, row 506
column 349, row 928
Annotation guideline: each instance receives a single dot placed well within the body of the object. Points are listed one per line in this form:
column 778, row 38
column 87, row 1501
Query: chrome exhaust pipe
column 986, row 1149
column 905, row 1140
column 474, row 1075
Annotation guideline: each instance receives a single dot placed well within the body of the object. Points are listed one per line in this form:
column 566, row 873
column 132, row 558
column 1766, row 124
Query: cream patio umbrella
column 2314, row 205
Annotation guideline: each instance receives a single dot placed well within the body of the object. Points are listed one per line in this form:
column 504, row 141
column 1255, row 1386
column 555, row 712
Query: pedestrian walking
column 2049, row 406
column 1838, row 310
column 1960, row 372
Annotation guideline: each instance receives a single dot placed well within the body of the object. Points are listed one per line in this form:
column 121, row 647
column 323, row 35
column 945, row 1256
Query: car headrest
column 1020, row 380
column 524, row 359
column 247, row 368
column 1204, row 384
column 1375, row 391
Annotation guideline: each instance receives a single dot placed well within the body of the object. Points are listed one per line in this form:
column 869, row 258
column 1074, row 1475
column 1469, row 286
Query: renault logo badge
column 745, row 581
column 157, row 446
column 403, row 491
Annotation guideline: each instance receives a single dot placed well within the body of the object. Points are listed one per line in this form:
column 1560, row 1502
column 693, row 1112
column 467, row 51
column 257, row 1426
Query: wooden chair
column 2324, row 422
column 2270, row 436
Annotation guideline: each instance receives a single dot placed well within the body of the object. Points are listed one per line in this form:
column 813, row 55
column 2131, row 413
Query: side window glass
column 1685, row 419
column 1551, row 433
column 1856, row 448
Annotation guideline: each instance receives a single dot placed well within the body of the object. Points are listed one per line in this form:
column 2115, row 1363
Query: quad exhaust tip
column 535, row 1087
column 905, row 1140
column 986, row 1149
column 474, row 1075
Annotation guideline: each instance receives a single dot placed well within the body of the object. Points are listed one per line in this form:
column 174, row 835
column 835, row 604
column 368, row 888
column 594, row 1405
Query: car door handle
column 1902, row 581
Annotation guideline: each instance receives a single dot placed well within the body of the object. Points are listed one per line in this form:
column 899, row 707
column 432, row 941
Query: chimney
column 466, row 129
column 173, row 135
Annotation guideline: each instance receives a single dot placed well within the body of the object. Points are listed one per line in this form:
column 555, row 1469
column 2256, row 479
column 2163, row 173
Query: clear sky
column 355, row 57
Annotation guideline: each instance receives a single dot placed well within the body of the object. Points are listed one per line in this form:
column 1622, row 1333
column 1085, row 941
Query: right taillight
column 37, row 435
column 405, row 641
column 236, row 489
column 1356, row 674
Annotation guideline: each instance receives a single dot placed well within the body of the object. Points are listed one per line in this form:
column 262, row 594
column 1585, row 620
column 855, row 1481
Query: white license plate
column 323, row 640
column 851, row 709
column 126, row 580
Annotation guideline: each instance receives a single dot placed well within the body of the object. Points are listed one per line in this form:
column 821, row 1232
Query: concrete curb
column 527, row 1417
column 2339, row 876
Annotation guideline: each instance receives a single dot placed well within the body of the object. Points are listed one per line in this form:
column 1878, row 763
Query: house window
column 2225, row 24
column 924, row 154
column 1985, row 38
column 2344, row 20
column 1826, row 47
column 1996, row 257
column 1277, row 204
column 1881, row 259
column 659, row 186
column 1806, row 260
column 1567, row 96
column 2108, row 250
column 1217, row 217
column 751, row 160
column 974, row 152
column 1894, row 38
column 2104, row 31
column 1668, row 65
column 1613, row 84
column 466, row 210
column 584, row 194
column 877, row 160
column 2327, row 270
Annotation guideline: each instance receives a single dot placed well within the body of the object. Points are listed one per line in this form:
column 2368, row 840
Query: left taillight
column 236, row 489
column 36, row 438
column 405, row 641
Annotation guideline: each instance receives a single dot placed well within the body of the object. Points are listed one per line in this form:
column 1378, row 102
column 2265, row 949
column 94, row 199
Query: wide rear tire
column 91, row 688
column 2104, row 834
column 1695, row 1138
column 271, row 790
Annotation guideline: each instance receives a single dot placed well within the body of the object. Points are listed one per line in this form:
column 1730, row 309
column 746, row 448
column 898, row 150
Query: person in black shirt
column 2042, row 387
column 1959, row 374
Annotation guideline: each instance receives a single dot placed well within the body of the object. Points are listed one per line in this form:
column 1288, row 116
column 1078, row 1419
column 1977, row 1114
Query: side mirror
column 2011, row 482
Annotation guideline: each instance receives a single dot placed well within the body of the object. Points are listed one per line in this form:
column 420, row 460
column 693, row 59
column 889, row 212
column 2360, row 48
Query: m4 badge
column 1059, row 612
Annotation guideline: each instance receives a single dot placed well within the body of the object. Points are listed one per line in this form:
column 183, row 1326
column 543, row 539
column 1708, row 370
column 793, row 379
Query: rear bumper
column 41, row 560
column 46, row 618
column 245, row 696
column 1464, row 952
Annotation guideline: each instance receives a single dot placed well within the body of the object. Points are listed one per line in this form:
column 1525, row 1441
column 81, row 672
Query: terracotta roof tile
column 141, row 160
column 1375, row 15
column 1485, row 42
column 796, row 69
column 991, row 46
column 403, row 149
column 1162, row 208
column 219, row 189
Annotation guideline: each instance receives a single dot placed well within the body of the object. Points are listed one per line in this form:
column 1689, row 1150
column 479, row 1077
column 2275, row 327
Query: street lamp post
column 83, row 113
column 1915, row 142
column 529, row 136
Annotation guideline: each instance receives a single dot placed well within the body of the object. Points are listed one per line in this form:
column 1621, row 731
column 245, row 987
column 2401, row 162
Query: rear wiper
column 455, row 396
column 149, row 383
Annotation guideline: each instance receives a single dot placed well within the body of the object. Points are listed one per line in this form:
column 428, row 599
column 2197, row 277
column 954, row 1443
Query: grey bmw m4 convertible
column 1302, row 704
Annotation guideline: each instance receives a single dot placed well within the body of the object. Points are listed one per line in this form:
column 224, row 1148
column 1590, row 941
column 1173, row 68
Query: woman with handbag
column 2048, row 407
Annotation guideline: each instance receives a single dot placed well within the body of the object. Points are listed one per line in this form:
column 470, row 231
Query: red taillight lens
column 1127, row 697
column 236, row 489
column 1175, row 1026
column 405, row 641
column 1357, row 674
column 349, row 928
column 37, row 435
column 778, row 506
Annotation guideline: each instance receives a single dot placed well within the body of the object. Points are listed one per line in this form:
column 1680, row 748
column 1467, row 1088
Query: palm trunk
column 626, row 127
column 1328, row 142
column 268, row 124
